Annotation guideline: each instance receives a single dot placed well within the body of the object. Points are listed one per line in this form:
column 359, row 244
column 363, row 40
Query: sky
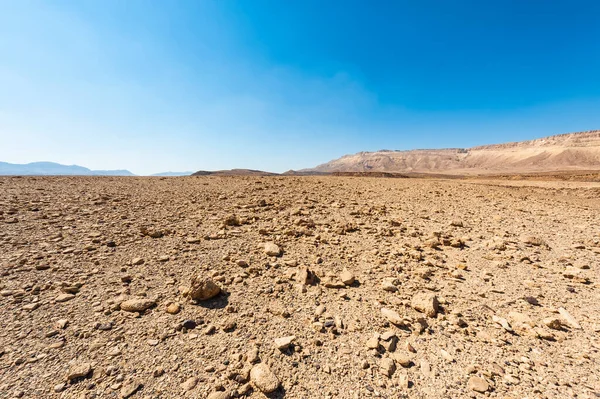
column 154, row 86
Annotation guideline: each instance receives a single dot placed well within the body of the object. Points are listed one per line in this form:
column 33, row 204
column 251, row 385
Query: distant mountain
column 55, row 169
column 169, row 174
column 234, row 172
column 563, row 152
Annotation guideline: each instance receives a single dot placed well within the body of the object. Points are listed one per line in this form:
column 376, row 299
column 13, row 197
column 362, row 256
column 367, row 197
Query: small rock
column 190, row 383
column 263, row 378
column 130, row 389
column 64, row 297
column 478, row 384
column 137, row 305
column 387, row 367
column 80, row 370
column 272, row 249
column 570, row 320
column 137, row 261
column 173, row 308
column 285, row 342
column 219, row 395
column 203, row 288
column 347, row 277
column 553, row 323
column 393, row 317
column 426, row 303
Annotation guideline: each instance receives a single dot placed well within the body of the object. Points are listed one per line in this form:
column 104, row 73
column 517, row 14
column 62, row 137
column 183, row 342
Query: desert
column 298, row 287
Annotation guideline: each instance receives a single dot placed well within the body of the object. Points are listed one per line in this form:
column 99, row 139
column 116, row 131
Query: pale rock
column 263, row 378
column 426, row 303
column 203, row 288
column 137, row 304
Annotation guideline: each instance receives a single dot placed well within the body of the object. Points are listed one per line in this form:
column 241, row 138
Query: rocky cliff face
column 564, row 152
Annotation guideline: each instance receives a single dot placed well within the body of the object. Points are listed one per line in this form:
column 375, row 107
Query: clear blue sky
column 162, row 85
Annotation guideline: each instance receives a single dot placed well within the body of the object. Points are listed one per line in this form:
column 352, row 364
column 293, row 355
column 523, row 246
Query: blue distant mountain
column 55, row 169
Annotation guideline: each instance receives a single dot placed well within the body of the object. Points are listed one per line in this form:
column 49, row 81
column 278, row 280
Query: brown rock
column 202, row 289
column 263, row 378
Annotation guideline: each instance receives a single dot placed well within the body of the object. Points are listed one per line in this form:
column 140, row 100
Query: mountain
column 51, row 168
column 171, row 174
column 564, row 152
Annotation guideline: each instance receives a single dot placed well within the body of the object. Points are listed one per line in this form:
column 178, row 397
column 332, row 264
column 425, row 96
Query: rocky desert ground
column 298, row 287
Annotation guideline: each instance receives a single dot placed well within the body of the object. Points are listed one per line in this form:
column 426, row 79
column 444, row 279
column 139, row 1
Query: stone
column 388, row 285
column 219, row 395
column 252, row 355
column 478, row 384
column 173, row 308
column 393, row 317
column 347, row 277
column 272, row 249
column 387, row 367
column 373, row 342
column 284, row 342
column 137, row 261
column 263, row 378
column 426, row 303
column 570, row 320
column 190, row 383
column 64, row 297
column 552, row 322
column 402, row 359
column 202, row 289
column 129, row 389
column 137, row 305
column 80, row 370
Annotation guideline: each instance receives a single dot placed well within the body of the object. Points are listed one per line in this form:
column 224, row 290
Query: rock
column 393, row 317
column 129, row 389
column 570, row 320
column 284, row 342
column 60, row 387
column 64, row 297
column 447, row 356
column 252, row 355
column 80, row 370
column 304, row 276
column 387, row 367
column 137, row 305
column 502, row 322
column 402, row 359
column 373, row 342
column 347, row 277
column 426, row 303
column 332, row 282
column 202, row 289
column 478, row 384
column 388, row 285
column 190, row 383
column 219, row 395
column 137, row 261
column 272, row 249
column 553, row 323
column 263, row 378
column 173, row 308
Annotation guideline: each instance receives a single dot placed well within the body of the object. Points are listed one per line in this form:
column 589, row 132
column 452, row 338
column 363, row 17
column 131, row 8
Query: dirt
column 488, row 288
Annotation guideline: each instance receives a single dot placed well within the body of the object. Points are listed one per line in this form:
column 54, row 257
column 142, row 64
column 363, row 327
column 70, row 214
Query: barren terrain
column 563, row 152
column 298, row 287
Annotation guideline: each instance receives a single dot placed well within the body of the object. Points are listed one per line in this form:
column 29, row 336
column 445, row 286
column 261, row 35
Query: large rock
column 263, row 378
column 137, row 304
column 202, row 289
column 478, row 384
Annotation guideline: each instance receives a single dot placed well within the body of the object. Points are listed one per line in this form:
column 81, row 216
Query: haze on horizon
column 153, row 86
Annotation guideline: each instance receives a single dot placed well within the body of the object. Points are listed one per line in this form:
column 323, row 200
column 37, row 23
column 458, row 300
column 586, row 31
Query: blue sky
column 153, row 86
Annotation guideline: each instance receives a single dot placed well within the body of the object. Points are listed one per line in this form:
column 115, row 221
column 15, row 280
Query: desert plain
column 298, row 287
